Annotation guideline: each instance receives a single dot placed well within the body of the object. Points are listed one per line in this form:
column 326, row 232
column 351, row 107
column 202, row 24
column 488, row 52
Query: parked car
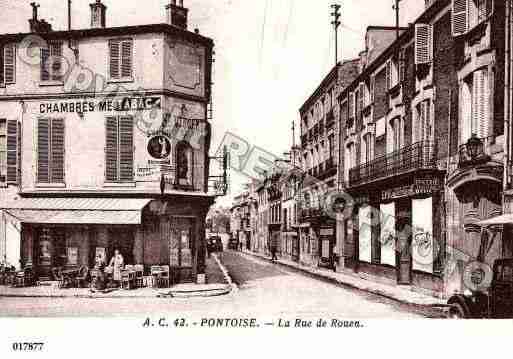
column 214, row 244
column 233, row 244
column 495, row 302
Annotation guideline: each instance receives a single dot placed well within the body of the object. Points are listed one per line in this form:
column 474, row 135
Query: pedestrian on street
column 274, row 247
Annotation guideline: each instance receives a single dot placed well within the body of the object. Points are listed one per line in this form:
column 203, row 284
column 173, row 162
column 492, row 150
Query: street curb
column 437, row 308
column 227, row 277
column 215, row 292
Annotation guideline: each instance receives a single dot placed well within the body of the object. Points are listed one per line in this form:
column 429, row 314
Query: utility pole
column 336, row 23
column 396, row 8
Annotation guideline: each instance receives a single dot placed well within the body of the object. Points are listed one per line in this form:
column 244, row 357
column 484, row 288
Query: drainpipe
column 507, row 103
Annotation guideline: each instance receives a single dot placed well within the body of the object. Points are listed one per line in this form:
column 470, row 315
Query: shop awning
column 77, row 210
column 499, row 220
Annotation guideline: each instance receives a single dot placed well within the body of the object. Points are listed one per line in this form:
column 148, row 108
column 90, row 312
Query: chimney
column 37, row 25
column 176, row 14
column 98, row 14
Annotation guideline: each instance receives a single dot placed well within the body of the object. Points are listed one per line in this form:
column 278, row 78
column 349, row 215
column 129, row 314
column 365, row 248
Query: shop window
column 7, row 64
column 51, row 62
column 423, row 245
column 184, row 164
column 388, row 234
column 50, row 150
column 365, row 234
column 119, row 149
column 121, row 59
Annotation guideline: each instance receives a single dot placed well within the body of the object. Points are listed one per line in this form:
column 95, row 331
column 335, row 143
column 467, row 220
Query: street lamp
column 475, row 147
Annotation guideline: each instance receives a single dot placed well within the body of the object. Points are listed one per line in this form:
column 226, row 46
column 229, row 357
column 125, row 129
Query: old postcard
column 174, row 168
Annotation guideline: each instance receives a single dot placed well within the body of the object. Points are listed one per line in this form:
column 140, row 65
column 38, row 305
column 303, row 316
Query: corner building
column 107, row 140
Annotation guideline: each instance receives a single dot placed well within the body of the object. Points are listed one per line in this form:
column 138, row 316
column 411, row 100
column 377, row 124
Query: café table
column 69, row 275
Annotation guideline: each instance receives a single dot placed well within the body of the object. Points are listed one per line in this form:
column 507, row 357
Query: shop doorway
column 403, row 221
column 181, row 248
column 122, row 239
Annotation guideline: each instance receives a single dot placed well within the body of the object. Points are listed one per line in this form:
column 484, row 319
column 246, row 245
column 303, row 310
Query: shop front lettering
column 420, row 187
column 123, row 104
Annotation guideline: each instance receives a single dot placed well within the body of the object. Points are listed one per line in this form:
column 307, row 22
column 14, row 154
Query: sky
column 270, row 54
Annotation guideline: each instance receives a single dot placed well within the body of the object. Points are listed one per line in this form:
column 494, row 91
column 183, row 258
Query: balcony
column 418, row 156
column 327, row 169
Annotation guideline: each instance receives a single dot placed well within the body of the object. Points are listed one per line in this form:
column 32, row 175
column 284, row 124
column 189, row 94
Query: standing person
column 116, row 263
column 274, row 247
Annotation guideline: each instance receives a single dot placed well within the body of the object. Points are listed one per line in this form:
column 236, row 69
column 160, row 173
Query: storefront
column 396, row 232
column 76, row 232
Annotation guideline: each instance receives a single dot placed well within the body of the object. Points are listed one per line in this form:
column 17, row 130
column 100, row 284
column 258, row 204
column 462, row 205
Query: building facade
column 411, row 123
column 320, row 153
column 107, row 145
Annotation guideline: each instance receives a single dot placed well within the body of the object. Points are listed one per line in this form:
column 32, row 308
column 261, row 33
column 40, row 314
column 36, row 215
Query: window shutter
column 351, row 105
column 111, row 149
column 126, row 149
column 389, row 75
column 12, row 151
column 56, row 54
column 422, row 44
column 2, row 78
column 114, row 59
column 460, row 17
column 43, row 149
column 482, row 103
column 57, row 150
column 126, row 58
column 10, row 64
column 372, row 87
column 45, row 73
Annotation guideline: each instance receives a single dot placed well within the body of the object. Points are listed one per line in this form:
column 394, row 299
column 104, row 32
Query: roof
column 407, row 34
column 77, row 210
column 113, row 31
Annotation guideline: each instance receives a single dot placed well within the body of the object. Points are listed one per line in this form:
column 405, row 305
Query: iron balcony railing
column 482, row 152
column 420, row 155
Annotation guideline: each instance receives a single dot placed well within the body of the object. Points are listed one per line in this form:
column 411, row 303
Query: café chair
column 156, row 272
column 128, row 277
column 139, row 275
column 164, row 277
column 24, row 278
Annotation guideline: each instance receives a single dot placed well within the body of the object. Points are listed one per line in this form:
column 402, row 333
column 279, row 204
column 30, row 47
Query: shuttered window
column 50, row 150
column 3, row 150
column 372, row 87
column 389, row 74
column 8, row 64
column 119, row 149
column 51, row 62
column 460, row 17
column 423, row 48
column 121, row 59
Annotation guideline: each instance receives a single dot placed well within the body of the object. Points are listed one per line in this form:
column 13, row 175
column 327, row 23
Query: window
column 367, row 150
column 119, row 149
column 424, row 125
column 50, row 150
column 467, row 14
column 372, row 87
column 475, row 105
column 51, row 62
column 3, row 150
column 7, row 64
column 121, row 63
column 395, row 137
column 184, row 164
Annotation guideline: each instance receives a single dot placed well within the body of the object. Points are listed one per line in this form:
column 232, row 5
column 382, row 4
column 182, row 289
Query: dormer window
column 7, row 64
column 51, row 62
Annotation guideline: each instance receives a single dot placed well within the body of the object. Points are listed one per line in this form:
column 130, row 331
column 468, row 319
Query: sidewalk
column 396, row 293
column 217, row 284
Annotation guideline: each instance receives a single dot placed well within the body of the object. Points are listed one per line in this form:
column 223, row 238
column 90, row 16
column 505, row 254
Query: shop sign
column 327, row 232
column 419, row 187
column 117, row 104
